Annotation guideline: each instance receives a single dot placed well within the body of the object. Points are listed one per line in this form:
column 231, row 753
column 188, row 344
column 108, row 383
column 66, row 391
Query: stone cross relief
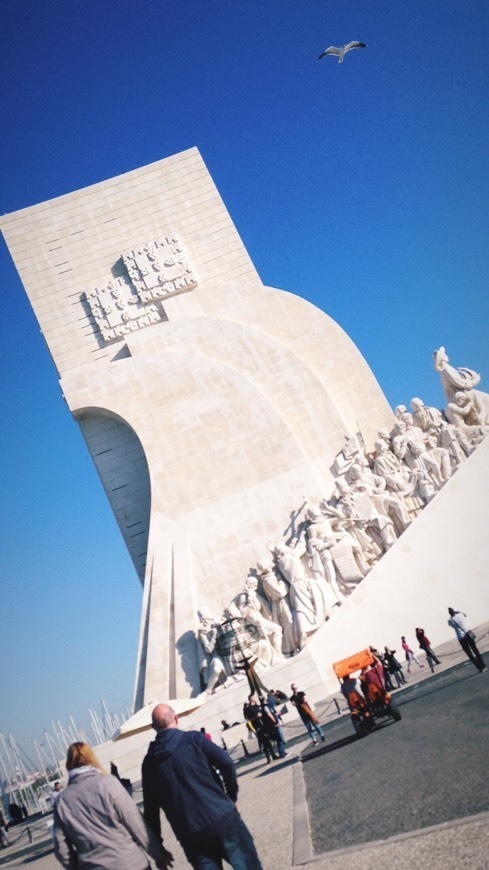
column 153, row 271
column 377, row 495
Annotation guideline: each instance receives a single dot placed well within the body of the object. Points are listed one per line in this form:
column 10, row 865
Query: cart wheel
column 393, row 710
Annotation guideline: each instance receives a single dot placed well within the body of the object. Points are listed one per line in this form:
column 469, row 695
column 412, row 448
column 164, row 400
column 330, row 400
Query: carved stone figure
column 307, row 597
column 322, row 568
column 455, row 442
column 461, row 411
column 277, row 593
column 322, row 548
column 252, row 610
column 213, row 667
column 426, row 418
column 384, row 435
column 400, row 439
column 425, row 471
column 362, row 479
column 360, row 505
column 414, row 433
column 397, row 476
column 335, row 551
column 435, row 460
column 463, row 379
column 453, row 379
column 440, row 456
column 345, row 519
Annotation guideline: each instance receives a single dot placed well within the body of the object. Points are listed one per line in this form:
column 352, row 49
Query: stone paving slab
column 461, row 844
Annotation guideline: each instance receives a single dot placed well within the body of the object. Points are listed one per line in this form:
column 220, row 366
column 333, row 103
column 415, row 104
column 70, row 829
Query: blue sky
column 362, row 187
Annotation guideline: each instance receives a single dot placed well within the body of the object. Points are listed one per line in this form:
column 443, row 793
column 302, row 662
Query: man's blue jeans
column 280, row 742
column 310, row 725
column 228, row 840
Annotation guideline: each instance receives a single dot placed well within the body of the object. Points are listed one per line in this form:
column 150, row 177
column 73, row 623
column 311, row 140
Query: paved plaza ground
column 409, row 795
column 427, row 769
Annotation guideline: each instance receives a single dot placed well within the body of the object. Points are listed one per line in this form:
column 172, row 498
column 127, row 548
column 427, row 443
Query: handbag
column 471, row 634
column 307, row 710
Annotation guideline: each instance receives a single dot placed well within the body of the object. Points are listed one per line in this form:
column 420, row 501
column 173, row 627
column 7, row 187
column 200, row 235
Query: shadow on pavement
column 274, row 766
column 329, row 747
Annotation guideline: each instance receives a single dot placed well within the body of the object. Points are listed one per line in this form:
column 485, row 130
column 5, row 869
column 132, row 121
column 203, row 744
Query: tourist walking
column 274, row 721
column 97, row 824
column 466, row 638
column 299, row 700
column 58, row 788
column 425, row 645
column 180, row 776
column 4, row 840
column 394, row 666
column 410, row 657
column 262, row 726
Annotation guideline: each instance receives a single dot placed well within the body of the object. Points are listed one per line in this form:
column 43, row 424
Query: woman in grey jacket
column 97, row 824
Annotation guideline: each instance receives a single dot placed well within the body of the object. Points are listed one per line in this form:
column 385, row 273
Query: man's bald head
column 164, row 717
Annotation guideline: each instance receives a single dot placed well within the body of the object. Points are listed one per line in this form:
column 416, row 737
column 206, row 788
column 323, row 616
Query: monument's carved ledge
column 336, row 542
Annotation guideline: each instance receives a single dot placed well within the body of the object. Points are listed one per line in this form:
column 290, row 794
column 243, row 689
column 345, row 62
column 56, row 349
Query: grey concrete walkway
column 272, row 802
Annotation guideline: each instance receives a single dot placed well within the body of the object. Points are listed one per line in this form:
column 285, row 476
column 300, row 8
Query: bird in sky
column 340, row 51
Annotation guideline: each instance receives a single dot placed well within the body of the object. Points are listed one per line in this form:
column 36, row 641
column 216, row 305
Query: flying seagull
column 340, row 51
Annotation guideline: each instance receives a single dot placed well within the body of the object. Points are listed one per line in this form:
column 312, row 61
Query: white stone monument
column 209, row 402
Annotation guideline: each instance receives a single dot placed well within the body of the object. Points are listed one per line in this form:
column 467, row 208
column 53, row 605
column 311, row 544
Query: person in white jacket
column 466, row 638
column 96, row 822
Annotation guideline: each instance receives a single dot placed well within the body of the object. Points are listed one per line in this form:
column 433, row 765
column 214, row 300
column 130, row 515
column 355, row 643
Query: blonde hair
column 80, row 754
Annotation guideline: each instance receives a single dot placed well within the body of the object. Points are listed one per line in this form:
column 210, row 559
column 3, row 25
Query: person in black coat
column 179, row 776
column 394, row 666
column 261, row 724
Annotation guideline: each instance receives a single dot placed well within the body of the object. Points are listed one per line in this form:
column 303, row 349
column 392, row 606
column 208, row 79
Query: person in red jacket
column 425, row 645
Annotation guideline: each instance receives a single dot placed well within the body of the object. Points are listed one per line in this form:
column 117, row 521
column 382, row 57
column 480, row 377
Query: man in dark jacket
column 194, row 782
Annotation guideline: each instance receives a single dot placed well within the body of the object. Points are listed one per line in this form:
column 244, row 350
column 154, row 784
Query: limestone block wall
column 68, row 245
